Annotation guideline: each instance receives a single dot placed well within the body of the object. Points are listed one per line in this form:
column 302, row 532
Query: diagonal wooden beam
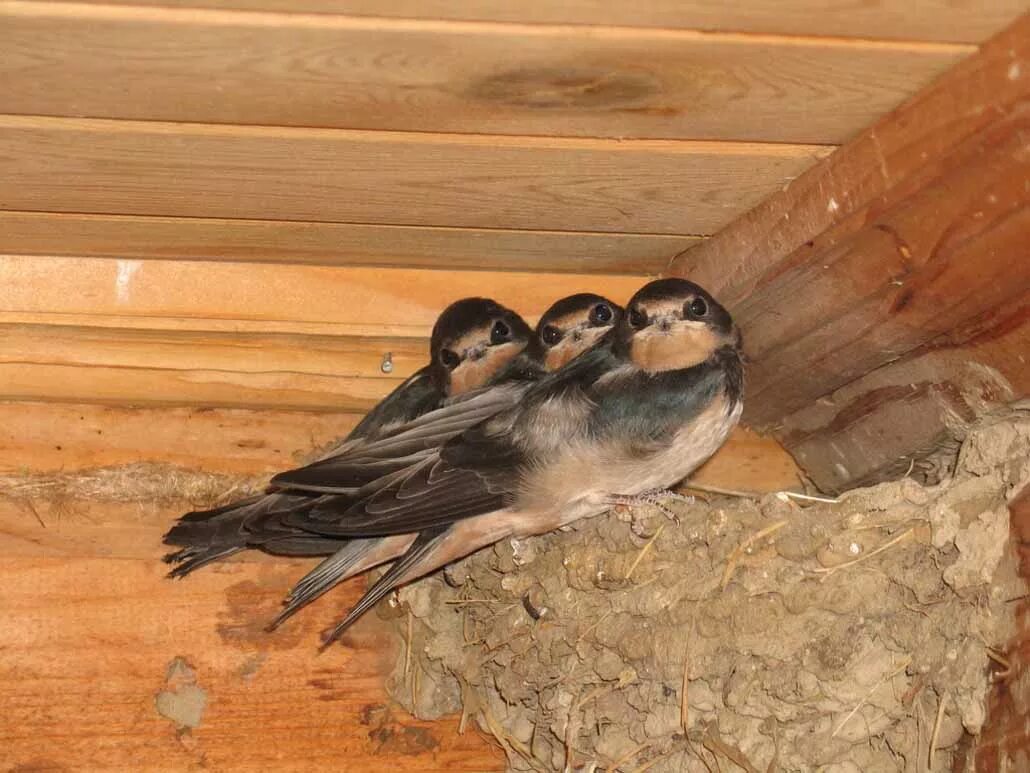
column 915, row 230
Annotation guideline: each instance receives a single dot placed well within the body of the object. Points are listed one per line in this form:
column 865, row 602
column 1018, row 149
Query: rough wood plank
column 88, row 643
column 942, row 256
column 954, row 20
column 178, row 238
column 210, row 388
column 50, row 438
column 915, row 411
column 361, row 73
column 197, row 170
column 335, row 356
column 912, row 230
column 200, row 295
column 850, row 182
column 50, row 455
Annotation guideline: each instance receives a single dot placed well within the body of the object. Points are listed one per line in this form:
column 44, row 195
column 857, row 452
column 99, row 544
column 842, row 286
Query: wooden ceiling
column 249, row 202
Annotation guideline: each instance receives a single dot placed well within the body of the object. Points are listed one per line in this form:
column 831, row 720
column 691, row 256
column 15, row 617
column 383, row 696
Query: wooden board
column 178, row 238
column 242, row 297
column 71, row 481
column 50, row 437
column 375, row 73
column 959, row 20
column 53, row 438
column 643, row 186
column 89, row 644
column 53, row 362
column 913, row 229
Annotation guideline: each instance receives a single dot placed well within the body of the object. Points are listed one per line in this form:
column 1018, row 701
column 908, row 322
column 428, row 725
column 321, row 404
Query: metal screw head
column 387, row 364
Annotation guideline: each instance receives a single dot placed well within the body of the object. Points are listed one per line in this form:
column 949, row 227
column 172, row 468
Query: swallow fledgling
column 481, row 361
column 568, row 328
column 472, row 341
column 635, row 414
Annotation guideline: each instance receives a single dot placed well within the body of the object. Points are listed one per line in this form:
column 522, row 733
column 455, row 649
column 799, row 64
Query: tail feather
column 405, row 568
column 188, row 559
column 323, row 577
column 209, row 535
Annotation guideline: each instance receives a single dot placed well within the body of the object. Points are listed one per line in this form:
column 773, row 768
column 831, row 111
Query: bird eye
column 696, row 308
column 551, row 335
column 499, row 333
column 449, row 359
column 601, row 314
column 637, row 319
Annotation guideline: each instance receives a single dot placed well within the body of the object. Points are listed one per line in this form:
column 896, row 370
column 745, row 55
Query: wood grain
column 941, row 257
column 360, row 73
column 332, row 356
column 88, row 645
column 912, row 230
column 948, row 20
column 177, row 238
column 115, row 365
column 54, row 438
column 643, row 186
column 245, row 297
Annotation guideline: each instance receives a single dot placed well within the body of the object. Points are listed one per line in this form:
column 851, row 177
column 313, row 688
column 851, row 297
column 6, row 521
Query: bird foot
column 656, row 498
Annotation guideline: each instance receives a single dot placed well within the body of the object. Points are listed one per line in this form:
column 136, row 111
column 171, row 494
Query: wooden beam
column 106, row 665
column 311, row 372
column 91, row 480
column 945, row 20
column 341, row 244
column 51, row 438
column 912, row 233
column 198, row 170
column 350, row 72
column 265, row 297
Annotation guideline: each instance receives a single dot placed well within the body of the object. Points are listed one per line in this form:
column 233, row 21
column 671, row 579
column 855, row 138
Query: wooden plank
column 199, row 295
column 89, row 643
column 175, row 350
column 178, row 238
column 910, row 231
column 642, row 186
column 53, row 438
column 89, row 480
column 49, row 438
column 947, row 20
column 54, row 362
column 943, row 257
column 212, row 388
column 381, row 74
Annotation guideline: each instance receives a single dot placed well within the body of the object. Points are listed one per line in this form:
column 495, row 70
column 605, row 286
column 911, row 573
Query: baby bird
column 473, row 340
column 651, row 401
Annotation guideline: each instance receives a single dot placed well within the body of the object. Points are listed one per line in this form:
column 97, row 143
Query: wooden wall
column 360, row 148
column 218, row 216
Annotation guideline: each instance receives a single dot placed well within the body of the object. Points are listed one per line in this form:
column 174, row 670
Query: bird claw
column 656, row 498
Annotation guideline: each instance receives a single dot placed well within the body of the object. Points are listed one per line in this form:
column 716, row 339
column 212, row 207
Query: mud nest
column 755, row 634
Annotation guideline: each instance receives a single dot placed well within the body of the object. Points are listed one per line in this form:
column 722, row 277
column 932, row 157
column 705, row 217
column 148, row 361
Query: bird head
column 571, row 326
column 472, row 340
column 672, row 324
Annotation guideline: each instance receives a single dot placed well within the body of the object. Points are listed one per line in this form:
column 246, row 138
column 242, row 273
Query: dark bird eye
column 600, row 314
column 637, row 319
column 697, row 308
column 499, row 333
column 551, row 335
column 449, row 359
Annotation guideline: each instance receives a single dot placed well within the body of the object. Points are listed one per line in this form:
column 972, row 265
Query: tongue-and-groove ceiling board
column 559, row 146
